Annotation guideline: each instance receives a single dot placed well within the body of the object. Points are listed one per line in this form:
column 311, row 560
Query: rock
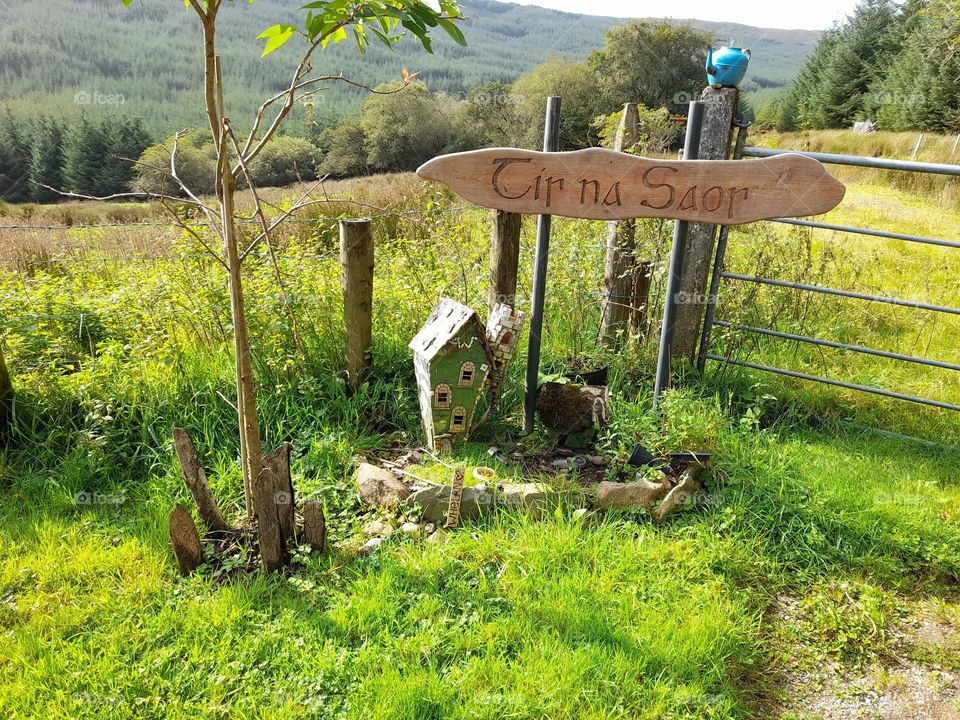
column 533, row 497
column 580, row 513
column 379, row 487
column 437, row 537
column 410, row 529
column 685, row 489
column 599, row 460
column 371, row 545
column 434, row 501
column 430, row 528
column 642, row 493
column 378, row 528
column 865, row 126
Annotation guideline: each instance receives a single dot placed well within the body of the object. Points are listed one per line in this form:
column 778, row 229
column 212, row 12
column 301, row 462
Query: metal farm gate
column 721, row 276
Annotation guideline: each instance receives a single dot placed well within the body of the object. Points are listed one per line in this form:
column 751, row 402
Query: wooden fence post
column 356, row 258
column 6, row 400
column 621, row 244
column 504, row 258
column 720, row 104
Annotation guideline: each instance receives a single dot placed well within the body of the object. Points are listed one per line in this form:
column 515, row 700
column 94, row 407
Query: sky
column 786, row 14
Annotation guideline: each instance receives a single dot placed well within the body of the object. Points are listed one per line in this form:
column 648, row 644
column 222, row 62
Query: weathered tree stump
column 196, row 481
column 315, row 525
column 273, row 549
column 185, row 541
column 279, row 462
column 569, row 407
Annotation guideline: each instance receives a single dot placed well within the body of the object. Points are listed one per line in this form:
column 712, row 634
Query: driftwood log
column 196, row 481
column 569, row 407
column 185, row 541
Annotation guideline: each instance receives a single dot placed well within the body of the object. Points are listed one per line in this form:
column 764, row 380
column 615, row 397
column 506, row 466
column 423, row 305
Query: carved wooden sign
column 456, row 496
column 602, row 184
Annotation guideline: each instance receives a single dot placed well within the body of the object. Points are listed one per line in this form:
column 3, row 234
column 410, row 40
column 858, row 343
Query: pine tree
column 47, row 158
column 127, row 141
column 85, row 158
column 14, row 160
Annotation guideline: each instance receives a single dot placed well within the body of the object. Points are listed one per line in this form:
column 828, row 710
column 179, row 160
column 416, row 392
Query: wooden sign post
column 600, row 184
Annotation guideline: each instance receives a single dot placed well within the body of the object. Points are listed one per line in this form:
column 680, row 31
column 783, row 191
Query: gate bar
column 838, row 383
column 881, row 163
column 841, row 293
column 839, row 345
column 867, row 231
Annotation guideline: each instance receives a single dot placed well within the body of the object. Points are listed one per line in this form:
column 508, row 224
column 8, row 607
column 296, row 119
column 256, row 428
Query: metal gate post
column 551, row 141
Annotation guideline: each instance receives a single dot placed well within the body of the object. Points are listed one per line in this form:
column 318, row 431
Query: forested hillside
column 898, row 65
column 70, row 57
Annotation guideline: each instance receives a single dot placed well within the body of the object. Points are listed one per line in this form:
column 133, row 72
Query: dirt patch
column 918, row 679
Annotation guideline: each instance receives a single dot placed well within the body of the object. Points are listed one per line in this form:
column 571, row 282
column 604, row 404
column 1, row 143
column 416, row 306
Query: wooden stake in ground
column 504, row 258
column 621, row 245
column 273, row 550
column 196, row 481
column 356, row 257
column 185, row 541
column 6, row 399
column 640, row 296
column 279, row 463
column 315, row 525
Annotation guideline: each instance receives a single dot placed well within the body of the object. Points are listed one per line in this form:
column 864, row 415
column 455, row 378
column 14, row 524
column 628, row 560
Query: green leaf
column 276, row 36
column 453, row 31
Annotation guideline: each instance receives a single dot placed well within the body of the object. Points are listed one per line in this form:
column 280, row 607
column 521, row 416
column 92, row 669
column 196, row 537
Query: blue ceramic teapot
column 727, row 66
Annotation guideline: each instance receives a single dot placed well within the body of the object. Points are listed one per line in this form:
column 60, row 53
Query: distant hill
column 67, row 57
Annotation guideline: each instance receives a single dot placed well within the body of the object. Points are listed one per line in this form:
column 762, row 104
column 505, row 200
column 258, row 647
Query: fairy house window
column 442, row 396
column 467, row 371
column 458, row 419
column 452, row 360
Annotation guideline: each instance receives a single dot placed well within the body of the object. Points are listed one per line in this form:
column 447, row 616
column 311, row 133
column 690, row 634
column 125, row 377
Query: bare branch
column 258, row 209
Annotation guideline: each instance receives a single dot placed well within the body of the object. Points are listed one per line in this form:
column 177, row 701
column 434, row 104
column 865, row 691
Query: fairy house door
column 452, row 363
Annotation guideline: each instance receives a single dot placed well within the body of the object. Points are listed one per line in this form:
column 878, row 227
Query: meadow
column 826, row 553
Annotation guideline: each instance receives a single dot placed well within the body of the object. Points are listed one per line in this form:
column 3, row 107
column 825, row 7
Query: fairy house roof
column 447, row 319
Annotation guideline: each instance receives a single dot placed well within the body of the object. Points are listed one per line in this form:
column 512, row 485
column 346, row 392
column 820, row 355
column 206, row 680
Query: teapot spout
column 711, row 70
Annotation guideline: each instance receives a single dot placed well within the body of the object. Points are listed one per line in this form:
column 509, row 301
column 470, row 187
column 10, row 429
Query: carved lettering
column 596, row 190
column 733, row 194
column 706, row 195
column 655, row 186
column 689, row 199
column 502, row 164
column 616, row 195
column 550, row 183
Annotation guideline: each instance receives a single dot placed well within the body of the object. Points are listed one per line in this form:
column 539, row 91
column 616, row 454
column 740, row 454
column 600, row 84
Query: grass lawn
column 823, row 553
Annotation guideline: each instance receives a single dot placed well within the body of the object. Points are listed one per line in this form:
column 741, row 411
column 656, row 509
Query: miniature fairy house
column 452, row 361
column 503, row 333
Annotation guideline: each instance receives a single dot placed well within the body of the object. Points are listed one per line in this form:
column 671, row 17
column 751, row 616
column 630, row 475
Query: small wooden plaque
column 601, row 184
column 456, row 495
